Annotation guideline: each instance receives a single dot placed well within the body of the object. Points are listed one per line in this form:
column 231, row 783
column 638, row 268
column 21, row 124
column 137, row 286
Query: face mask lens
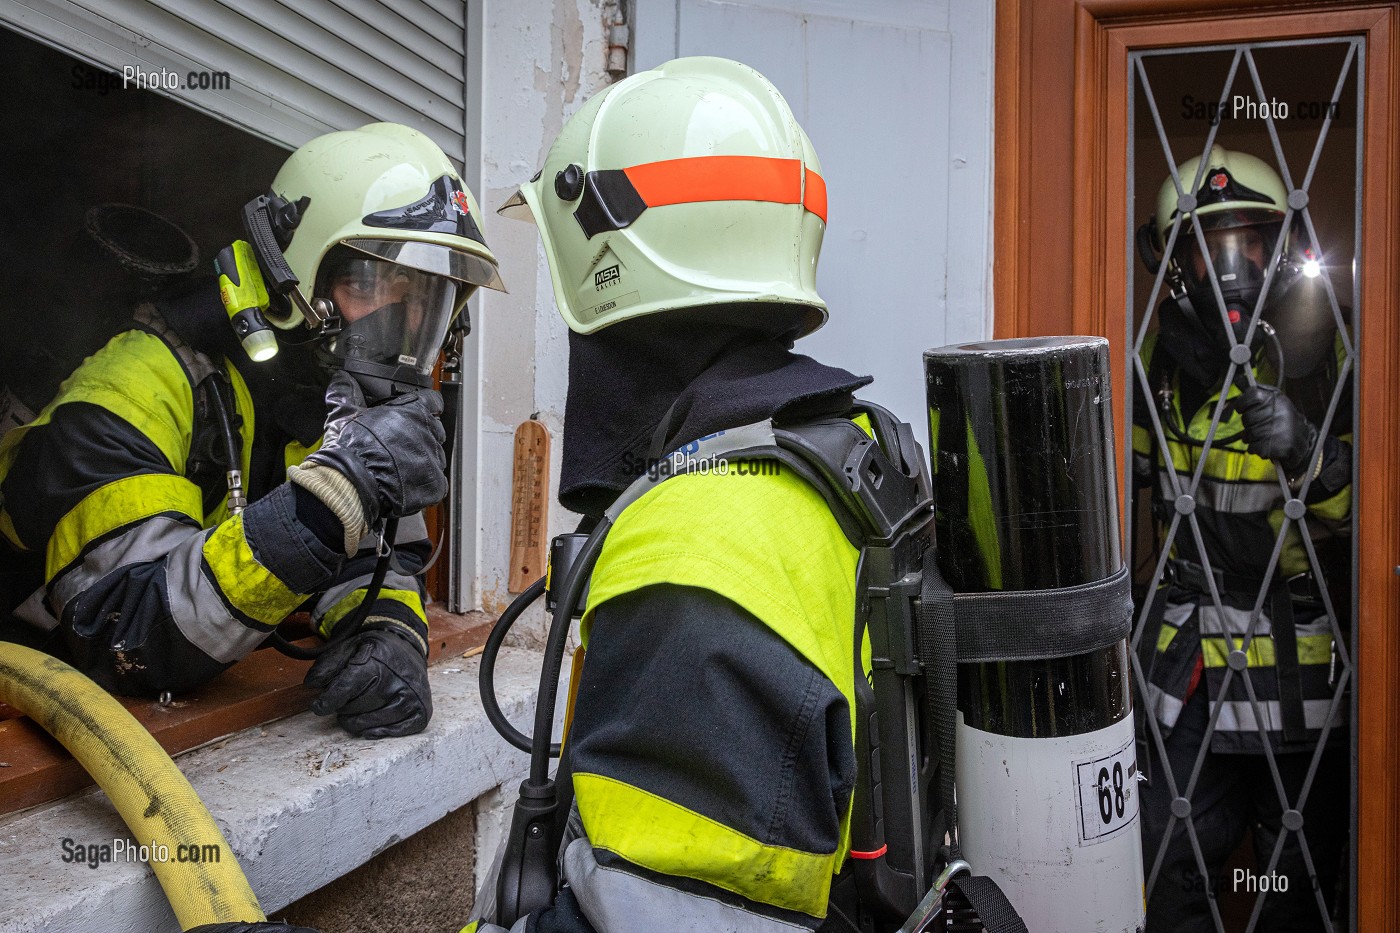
column 391, row 315
column 1238, row 255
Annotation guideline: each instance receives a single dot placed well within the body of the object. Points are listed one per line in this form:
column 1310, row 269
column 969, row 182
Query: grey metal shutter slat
column 343, row 42
column 445, row 50
column 281, row 86
column 96, row 39
column 258, row 49
column 289, row 45
column 454, row 11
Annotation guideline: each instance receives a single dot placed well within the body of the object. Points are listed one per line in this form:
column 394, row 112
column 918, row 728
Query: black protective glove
column 268, row 926
column 375, row 682
column 1275, row 429
column 391, row 452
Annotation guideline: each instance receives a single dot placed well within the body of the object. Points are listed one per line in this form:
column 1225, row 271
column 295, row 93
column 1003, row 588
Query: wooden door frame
column 1062, row 63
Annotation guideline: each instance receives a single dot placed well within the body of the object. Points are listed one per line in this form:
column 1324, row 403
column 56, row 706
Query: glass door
column 1244, row 194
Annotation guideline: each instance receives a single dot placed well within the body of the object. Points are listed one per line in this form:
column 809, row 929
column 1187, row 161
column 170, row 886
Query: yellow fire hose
column 152, row 796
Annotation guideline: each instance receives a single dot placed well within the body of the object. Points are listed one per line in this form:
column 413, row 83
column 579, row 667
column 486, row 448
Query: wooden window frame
column 1063, row 63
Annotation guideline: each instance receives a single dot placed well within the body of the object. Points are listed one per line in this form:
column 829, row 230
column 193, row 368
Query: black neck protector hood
column 701, row 371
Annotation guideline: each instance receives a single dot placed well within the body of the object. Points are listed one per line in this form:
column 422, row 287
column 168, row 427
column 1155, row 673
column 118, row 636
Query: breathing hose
column 579, row 573
column 152, row 796
column 349, row 626
column 488, row 670
column 527, row 879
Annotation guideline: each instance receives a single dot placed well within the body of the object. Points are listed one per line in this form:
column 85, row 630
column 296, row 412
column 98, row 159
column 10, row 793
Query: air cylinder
column 1021, row 441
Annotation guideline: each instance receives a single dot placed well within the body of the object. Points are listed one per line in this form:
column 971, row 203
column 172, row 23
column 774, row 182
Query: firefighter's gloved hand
column 389, row 456
column 344, row 400
column 1275, row 429
column 375, row 682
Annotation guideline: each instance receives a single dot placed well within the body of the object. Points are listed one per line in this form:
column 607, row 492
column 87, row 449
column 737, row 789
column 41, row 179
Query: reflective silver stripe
column 620, row 902
column 392, row 581
column 1164, row 707
column 35, row 611
column 1232, row 498
column 1238, row 715
column 1238, row 497
column 198, row 608
column 1236, row 622
column 149, row 540
column 520, row 925
column 411, row 528
column 1176, row 614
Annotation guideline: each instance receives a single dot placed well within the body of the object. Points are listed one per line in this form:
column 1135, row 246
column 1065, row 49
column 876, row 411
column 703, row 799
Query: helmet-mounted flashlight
column 244, row 295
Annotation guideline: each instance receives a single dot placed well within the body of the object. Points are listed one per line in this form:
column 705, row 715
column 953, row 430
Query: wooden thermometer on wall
column 529, row 505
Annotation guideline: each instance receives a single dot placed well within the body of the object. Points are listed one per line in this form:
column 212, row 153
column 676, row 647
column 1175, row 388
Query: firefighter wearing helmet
column 193, row 484
column 682, row 212
column 1246, row 333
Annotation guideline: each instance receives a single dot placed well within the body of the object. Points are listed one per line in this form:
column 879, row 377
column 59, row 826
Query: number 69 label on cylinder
column 1108, row 794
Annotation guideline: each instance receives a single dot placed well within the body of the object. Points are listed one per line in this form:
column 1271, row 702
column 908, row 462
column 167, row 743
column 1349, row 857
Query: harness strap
column 990, row 903
column 197, row 365
column 1288, row 668
column 1034, row 624
column 1192, row 576
column 862, row 487
column 1286, row 664
column 938, row 654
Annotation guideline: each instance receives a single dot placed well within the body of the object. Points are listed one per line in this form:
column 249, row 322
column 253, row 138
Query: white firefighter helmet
column 686, row 186
column 385, row 191
column 1232, row 221
column 1237, row 189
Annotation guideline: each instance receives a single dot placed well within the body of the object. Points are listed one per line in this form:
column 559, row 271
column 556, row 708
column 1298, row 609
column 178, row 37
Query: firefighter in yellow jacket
column 711, row 746
column 128, row 490
column 1243, row 690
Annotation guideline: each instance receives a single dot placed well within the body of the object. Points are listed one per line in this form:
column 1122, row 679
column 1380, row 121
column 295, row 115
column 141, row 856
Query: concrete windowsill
column 299, row 800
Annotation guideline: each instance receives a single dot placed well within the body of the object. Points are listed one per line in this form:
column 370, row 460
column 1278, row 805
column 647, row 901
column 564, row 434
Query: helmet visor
column 392, row 314
column 517, row 207
column 434, row 258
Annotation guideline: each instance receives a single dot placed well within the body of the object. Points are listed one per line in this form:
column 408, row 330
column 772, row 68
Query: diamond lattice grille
column 1203, row 577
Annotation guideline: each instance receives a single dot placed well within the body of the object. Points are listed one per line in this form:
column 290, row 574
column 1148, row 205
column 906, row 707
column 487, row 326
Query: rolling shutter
column 296, row 68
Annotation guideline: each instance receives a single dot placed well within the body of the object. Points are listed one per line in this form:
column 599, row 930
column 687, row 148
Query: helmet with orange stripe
column 686, row 186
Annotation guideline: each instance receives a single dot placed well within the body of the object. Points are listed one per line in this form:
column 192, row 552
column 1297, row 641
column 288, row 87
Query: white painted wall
column 897, row 97
column 540, row 60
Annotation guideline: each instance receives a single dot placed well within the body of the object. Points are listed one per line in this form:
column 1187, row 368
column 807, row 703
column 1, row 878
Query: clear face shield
column 1239, row 255
column 396, row 301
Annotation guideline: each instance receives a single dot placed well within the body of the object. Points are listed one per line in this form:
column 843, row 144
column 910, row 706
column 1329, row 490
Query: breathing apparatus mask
column 367, row 237
column 1193, row 326
column 391, row 308
column 382, row 310
column 1296, row 325
column 1227, row 233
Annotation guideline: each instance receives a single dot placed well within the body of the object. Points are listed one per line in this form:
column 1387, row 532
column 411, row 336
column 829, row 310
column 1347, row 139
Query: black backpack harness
column 879, row 490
